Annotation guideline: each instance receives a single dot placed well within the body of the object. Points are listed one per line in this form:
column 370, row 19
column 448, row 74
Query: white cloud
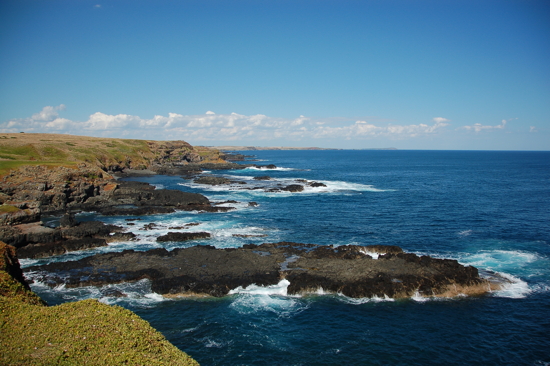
column 441, row 120
column 59, row 124
column 533, row 129
column 101, row 121
column 366, row 129
column 478, row 127
column 220, row 127
column 48, row 113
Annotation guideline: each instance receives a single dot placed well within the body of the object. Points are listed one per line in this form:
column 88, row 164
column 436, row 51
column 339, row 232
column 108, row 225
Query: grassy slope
column 79, row 333
column 17, row 149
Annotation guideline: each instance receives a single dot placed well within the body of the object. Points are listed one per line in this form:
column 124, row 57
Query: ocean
column 489, row 209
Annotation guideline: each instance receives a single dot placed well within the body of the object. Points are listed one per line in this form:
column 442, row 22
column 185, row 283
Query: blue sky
column 343, row 74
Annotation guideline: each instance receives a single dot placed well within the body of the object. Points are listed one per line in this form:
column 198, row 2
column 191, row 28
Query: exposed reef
column 349, row 270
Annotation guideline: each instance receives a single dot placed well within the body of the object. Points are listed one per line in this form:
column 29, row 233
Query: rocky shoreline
column 32, row 192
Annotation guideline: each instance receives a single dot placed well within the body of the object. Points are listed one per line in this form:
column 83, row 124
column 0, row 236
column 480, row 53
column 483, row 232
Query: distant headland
column 257, row 148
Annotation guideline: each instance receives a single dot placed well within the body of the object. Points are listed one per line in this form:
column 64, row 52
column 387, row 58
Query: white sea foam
column 265, row 187
column 374, row 255
column 136, row 293
column 465, row 232
column 512, row 265
column 281, row 169
column 225, row 233
column 516, row 289
column 208, row 342
column 278, row 289
column 497, row 260
column 419, row 298
column 273, row 299
column 364, row 300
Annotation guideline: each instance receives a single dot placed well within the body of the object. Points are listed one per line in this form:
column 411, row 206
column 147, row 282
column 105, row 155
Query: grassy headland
column 19, row 149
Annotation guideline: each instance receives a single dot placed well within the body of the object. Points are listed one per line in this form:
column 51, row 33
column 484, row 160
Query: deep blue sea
column 489, row 209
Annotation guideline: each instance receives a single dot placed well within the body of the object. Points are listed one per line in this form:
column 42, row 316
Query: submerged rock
column 174, row 236
column 293, row 188
column 213, row 181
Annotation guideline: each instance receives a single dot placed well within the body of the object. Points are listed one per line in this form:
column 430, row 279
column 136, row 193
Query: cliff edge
column 83, row 332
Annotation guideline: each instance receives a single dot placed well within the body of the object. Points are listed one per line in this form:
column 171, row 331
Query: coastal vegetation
column 77, row 333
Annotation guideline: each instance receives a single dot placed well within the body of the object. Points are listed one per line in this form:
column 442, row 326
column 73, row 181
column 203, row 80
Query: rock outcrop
column 31, row 192
column 348, row 270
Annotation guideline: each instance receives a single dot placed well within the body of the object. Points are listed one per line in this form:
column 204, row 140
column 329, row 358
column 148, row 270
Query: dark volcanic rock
column 230, row 156
column 135, row 211
column 308, row 267
column 137, row 198
column 68, row 220
column 118, row 237
column 383, row 249
column 213, row 181
column 195, row 270
column 40, row 241
column 293, row 188
column 269, row 166
column 21, row 235
column 89, row 229
column 175, row 236
column 46, row 250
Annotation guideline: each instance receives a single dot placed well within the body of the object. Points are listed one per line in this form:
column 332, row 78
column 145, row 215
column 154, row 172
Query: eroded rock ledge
column 199, row 270
column 27, row 198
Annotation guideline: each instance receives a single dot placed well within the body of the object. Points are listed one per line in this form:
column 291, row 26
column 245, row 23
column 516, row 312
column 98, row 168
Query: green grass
column 81, row 333
column 26, row 152
column 50, row 152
